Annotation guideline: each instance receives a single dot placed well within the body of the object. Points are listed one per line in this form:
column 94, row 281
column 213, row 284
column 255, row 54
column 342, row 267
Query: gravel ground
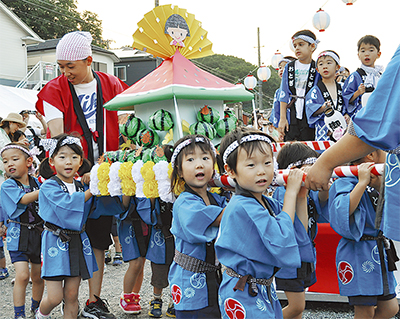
column 112, row 287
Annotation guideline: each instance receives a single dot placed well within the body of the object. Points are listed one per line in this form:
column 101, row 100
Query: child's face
column 368, row 54
column 177, row 34
column 327, row 67
column 15, row 163
column 303, row 50
column 77, row 72
column 197, row 168
column 254, row 173
column 13, row 127
column 281, row 68
column 66, row 163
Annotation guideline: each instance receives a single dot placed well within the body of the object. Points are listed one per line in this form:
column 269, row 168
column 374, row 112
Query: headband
column 187, row 142
column 307, row 39
column 248, row 138
column 23, row 149
column 307, row 161
column 331, row 54
column 51, row 143
column 74, row 46
column 284, row 60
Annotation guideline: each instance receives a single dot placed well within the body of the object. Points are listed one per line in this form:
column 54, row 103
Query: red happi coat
column 58, row 94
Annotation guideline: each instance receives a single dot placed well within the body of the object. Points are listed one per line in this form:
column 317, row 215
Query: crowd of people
column 224, row 253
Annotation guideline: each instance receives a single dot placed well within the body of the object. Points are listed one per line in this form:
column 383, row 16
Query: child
column 276, row 108
column 294, row 281
column 365, row 78
column 19, row 195
column 256, row 233
column 67, row 255
column 194, row 273
column 253, row 241
column 325, row 94
column 363, row 258
column 298, row 78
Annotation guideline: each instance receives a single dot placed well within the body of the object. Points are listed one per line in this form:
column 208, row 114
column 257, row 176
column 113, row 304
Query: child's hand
column 294, row 181
column 361, row 89
column 364, row 173
column 85, row 179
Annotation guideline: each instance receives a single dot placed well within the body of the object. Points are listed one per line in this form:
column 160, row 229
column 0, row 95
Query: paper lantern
column 276, row 59
column 349, row 2
column 321, row 20
column 263, row 73
column 250, row 82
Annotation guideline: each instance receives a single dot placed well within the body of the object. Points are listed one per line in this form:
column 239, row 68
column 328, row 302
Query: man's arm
column 56, row 127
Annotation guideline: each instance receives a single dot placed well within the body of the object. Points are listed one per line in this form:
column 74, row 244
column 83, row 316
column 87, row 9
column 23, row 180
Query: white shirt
column 301, row 77
column 71, row 187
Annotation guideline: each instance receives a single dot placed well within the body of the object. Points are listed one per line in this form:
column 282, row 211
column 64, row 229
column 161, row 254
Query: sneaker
column 171, row 310
column 117, row 260
column 107, row 257
column 130, row 303
column 97, row 310
column 4, row 273
column 155, row 310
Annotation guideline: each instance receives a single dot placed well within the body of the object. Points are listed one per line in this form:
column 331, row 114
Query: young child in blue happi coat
column 256, row 235
column 19, row 196
column 294, row 281
column 194, row 275
column 365, row 259
column 65, row 204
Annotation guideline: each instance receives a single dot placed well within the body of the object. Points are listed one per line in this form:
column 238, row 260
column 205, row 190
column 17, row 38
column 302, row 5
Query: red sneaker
column 130, row 303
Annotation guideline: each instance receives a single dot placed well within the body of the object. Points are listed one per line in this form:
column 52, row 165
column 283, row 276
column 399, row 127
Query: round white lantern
column 263, row 73
column 276, row 59
column 321, row 20
column 349, row 2
column 250, row 82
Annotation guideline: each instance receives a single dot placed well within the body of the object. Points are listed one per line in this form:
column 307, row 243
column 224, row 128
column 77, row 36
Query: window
column 120, row 72
column 98, row 66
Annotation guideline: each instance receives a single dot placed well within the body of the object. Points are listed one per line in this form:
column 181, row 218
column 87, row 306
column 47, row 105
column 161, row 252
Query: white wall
column 13, row 63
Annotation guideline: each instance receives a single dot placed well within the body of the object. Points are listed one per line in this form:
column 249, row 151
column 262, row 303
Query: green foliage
column 234, row 70
column 51, row 19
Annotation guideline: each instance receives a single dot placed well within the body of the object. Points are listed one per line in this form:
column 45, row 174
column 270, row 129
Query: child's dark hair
column 168, row 151
column 289, row 57
column 16, row 136
column 293, row 152
column 176, row 21
column 305, row 32
column 206, row 147
column 60, row 138
column 249, row 147
column 369, row 39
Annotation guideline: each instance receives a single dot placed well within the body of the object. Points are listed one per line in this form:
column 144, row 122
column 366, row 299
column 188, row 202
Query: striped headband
column 51, row 143
column 307, row 161
column 248, row 138
column 307, row 39
column 23, row 149
column 331, row 54
column 187, row 142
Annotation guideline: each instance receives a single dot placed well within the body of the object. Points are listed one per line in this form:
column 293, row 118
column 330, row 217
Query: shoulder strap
column 362, row 73
column 291, row 77
column 78, row 185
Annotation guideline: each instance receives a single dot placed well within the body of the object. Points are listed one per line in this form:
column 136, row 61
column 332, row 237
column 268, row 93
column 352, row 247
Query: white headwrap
column 331, row 54
column 181, row 146
column 307, row 39
column 74, row 46
column 50, row 144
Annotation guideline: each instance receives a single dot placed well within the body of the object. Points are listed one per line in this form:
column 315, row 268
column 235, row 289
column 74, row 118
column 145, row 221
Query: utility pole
column 259, row 64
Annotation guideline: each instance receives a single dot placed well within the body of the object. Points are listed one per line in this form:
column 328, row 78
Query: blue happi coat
column 304, row 239
column 378, row 124
column 358, row 264
column 67, row 212
column 11, row 194
column 252, row 242
column 191, row 227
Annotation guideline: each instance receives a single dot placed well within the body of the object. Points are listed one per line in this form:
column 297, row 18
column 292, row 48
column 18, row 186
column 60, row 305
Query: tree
column 233, row 70
column 51, row 19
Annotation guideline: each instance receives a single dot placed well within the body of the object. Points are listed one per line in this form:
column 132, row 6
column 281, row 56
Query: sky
column 232, row 25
